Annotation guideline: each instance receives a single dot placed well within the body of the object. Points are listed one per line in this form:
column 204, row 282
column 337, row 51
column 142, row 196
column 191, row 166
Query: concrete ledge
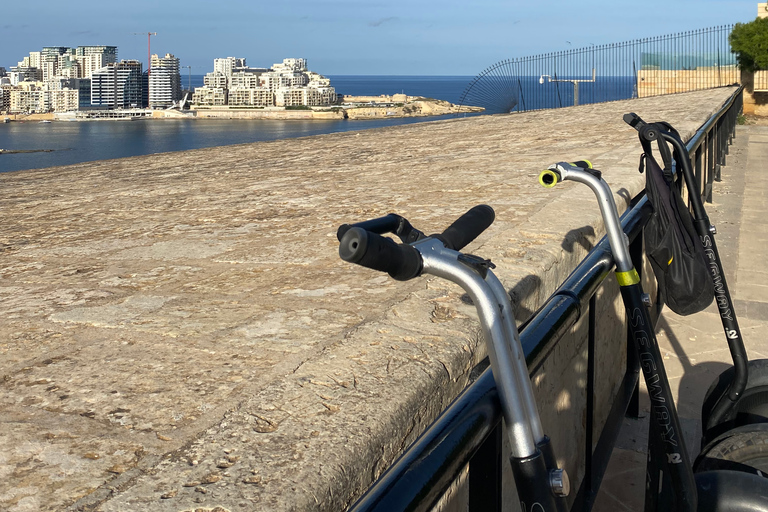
column 180, row 334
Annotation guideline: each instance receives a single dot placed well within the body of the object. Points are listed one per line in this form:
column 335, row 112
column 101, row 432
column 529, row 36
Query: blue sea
column 77, row 142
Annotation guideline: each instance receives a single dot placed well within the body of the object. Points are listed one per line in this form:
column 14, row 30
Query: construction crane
column 149, row 53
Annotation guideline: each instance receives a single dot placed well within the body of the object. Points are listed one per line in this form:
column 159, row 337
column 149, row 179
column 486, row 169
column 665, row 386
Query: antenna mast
column 189, row 82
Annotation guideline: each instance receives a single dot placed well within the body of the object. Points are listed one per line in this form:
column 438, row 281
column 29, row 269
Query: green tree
column 750, row 43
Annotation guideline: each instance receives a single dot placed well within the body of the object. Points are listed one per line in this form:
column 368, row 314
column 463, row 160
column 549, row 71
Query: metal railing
column 687, row 61
column 468, row 432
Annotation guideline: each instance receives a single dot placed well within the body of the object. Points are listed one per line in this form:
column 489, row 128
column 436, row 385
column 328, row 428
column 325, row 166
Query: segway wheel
column 721, row 491
column 751, row 408
column 742, row 449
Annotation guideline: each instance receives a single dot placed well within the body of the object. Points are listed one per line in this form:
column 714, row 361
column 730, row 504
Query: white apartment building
column 290, row 97
column 91, row 58
column 286, row 84
column 228, row 65
column 291, row 65
column 245, row 78
column 31, row 61
column 274, row 81
column 63, row 100
column 210, row 96
column 307, row 96
column 320, row 96
column 317, row 80
column 214, row 90
column 163, row 88
column 164, row 81
column 28, row 97
column 251, row 97
column 215, row 80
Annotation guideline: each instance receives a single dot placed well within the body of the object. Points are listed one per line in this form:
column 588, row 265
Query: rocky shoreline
column 380, row 107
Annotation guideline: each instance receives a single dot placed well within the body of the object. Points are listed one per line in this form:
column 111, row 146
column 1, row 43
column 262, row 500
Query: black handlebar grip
column 646, row 131
column 467, row 227
column 401, row 261
column 633, row 120
column 387, row 224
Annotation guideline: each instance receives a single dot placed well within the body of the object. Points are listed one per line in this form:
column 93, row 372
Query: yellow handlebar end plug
column 548, row 179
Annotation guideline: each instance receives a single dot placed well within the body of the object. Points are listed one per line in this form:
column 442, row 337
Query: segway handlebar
column 467, row 227
column 559, row 172
column 647, row 131
column 362, row 243
column 370, row 250
column 583, row 172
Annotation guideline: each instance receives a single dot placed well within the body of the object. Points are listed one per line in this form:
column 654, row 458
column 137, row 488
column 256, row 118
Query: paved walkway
column 694, row 347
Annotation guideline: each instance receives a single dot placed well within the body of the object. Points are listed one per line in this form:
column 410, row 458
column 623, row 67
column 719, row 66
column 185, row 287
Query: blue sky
column 358, row 37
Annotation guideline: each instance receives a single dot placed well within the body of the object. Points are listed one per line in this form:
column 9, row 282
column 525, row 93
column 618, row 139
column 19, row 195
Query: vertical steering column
column 663, row 413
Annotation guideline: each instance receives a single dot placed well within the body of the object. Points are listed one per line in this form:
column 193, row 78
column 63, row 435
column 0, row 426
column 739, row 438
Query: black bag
column 672, row 245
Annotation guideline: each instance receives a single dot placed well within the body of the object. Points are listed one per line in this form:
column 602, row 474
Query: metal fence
column 468, row 433
column 687, row 61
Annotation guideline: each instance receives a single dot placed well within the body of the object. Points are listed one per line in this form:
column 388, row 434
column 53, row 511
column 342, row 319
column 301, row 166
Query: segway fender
column 731, row 491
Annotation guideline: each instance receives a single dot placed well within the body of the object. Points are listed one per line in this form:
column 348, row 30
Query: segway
column 716, row 490
column 737, row 401
column 542, row 486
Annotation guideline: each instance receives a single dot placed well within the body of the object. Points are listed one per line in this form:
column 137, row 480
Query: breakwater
column 179, row 332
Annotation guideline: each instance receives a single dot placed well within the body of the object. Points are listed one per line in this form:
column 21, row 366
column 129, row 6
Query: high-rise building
column 118, row 85
column 91, row 58
column 21, row 74
column 49, row 60
column 164, row 81
column 31, row 61
column 228, row 65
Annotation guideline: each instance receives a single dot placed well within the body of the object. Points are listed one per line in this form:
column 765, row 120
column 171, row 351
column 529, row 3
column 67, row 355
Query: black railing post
column 699, row 163
column 589, row 477
column 485, row 472
column 711, row 163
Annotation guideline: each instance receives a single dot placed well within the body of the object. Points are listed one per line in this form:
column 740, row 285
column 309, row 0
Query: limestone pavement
column 179, row 333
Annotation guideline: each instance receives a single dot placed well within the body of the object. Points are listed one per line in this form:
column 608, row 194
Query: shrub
column 750, row 43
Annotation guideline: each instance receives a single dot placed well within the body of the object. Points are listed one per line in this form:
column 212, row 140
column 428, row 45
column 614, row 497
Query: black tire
column 743, row 449
column 751, row 408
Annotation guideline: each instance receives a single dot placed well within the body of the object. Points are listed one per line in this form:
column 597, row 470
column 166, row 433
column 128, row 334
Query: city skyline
column 347, row 37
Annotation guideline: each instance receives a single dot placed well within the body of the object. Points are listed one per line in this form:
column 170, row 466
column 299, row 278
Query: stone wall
column 179, row 333
column 654, row 82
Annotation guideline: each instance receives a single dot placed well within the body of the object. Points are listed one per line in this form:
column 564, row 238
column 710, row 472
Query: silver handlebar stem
column 442, row 262
column 616, row 237
column 517, row 355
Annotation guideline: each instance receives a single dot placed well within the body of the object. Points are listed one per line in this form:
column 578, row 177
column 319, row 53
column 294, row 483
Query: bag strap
column 666, row 154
